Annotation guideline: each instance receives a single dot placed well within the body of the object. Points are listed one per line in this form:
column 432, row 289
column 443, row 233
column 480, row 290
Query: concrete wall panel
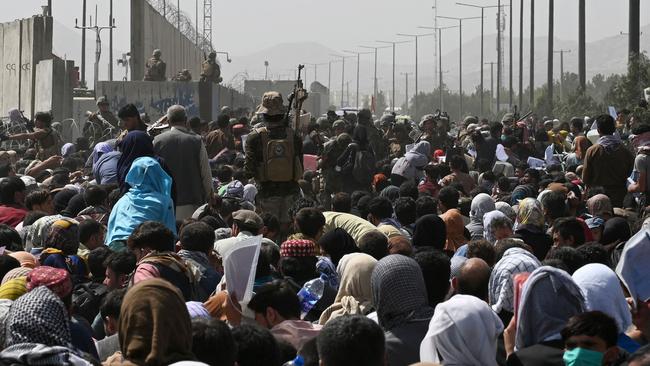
column 11, row 66
column 155, row 97
column 149, row 31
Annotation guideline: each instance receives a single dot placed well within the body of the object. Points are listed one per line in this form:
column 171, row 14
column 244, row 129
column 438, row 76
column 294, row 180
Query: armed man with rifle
column 274, row 156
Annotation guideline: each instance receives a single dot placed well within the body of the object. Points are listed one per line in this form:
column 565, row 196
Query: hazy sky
column 246, row 26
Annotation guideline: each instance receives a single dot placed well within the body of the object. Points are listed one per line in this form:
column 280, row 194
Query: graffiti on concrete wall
column 184, row 96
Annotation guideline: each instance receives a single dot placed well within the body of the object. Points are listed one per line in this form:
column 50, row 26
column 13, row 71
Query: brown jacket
column 608, row 169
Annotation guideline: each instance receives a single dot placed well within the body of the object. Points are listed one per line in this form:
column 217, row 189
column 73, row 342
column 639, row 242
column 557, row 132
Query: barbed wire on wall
column 187, row 28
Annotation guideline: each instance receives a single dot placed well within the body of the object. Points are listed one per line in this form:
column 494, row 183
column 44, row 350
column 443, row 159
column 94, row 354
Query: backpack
column 364, row 167
column 87, row 298
column 279, row 161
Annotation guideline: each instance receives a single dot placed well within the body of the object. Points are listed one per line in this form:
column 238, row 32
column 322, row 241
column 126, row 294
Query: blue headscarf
column 135, row 144
column 148, row 199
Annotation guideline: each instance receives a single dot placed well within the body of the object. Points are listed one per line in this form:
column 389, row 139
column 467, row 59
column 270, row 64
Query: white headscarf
column 602, row 291
column 463, row 331
column 633, row 269
column 250, row 191
column 488, row 233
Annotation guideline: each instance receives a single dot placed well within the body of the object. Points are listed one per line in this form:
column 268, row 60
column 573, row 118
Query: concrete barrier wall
column 200, row 99
column 24, row 43
column 149, row 31
column 54, row 89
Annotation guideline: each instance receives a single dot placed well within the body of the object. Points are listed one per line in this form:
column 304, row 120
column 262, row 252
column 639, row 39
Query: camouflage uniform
column 155, row 68
column 211, row 71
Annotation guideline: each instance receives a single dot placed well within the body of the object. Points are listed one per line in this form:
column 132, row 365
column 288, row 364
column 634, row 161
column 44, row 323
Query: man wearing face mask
column 590, row 340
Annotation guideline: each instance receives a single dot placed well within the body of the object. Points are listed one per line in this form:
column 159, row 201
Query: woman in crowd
column 481, row 204
column 400, row 297
column 154, row 326
column 148, row 199
column 354, row 295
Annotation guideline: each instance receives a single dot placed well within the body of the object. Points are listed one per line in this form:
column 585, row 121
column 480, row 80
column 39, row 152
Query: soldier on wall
column 155, row 68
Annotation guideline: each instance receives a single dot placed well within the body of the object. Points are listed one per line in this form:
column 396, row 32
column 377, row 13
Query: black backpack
column 87, row 298
column 364, row 167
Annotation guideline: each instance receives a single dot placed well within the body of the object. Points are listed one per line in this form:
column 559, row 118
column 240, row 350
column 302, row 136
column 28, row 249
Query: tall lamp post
column 439, row 29
column 375, row 89
column 482, row 49
column 460, row 58
column 392, row 98
column 562, row 52
column 342, row 74
column 358, row 62
column 415, row 37
column 406, row 88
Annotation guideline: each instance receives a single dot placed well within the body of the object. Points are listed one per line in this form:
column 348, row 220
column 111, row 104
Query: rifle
column 296, row 98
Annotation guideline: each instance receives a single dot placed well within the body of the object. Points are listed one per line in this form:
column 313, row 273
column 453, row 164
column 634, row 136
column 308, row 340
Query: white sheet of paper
column 239, row 265
column 535, row 163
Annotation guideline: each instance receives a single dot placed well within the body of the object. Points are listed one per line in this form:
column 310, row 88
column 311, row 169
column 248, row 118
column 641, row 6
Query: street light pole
column 439, row 29
column 482, row 23
column 521, row 54
column 531, row 85
column 460, row 59
column 550, row 55
column 406, row 77
column 392, row 99
column 358, row 63
column 491, row 82
column 562, row 52
column 416, row 36
column 342, row 75
column 375, row 89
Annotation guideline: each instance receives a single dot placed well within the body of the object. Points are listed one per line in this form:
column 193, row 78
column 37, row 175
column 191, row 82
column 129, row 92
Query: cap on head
column 157, row 52
column 248, row 218
column 272, row 104
column 212, row 54
column 176, row 114
column 102, row 100
column 426, row 118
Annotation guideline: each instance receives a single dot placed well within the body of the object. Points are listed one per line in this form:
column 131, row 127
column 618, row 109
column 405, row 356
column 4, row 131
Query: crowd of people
column 517, row 242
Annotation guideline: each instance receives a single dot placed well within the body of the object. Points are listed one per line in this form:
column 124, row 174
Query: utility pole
column 375, row 88
column 491, row 81
column 562, row 52
column 521, row 54
column 582, row 68
column 634, row 31
column 392, row 99
column 439, row 29
column 406, row 79
column 482, row 48
column 510, row 62
column 532, row 55
column 358, row 63
column 460, row 59
column 98, row 43
column 416, row 36
column 83, row 44
column 549, row 81
column 111, row 21
column 499, row 56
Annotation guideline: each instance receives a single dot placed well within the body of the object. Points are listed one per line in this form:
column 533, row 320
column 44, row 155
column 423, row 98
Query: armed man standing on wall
column 274, row 159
